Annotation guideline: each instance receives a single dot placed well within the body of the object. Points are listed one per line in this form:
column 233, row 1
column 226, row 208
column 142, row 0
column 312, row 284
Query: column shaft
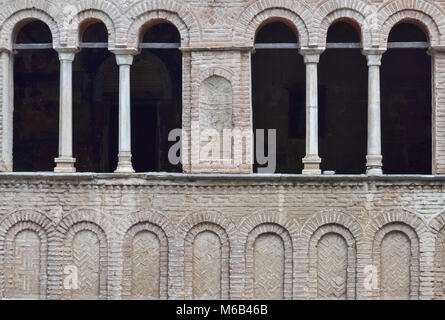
column 124, row 166
column 374, row 155
column 65, row 161
column 311, row 161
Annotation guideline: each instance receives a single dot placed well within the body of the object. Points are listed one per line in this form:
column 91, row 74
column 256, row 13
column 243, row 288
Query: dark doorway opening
column 343, row 84
column 36, row 101
column 406, row 104
column 278, row 96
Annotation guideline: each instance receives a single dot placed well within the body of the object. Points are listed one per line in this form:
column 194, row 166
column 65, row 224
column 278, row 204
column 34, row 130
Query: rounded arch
column 83, row 220
column 404, row 216
column 196, row 223
column 146, row 216
column 351, row 16
column 426, row 14
column 249, row 248
column 84, row 18
column 351, row 251
column 143, row 223
column 10, row 227
column 437, row 227
column 331, row 217
column 216, row 71
column 414, row 271
column 13, row 24
column 168, row 10
column 149, row 19
column 250, row 229
column 224, row 241
column 252, row 20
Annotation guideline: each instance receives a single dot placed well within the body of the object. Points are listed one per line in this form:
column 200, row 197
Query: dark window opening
column 156, row 101
column 342, row 32
column 95, row 105
column 278, row 97
column 95, row 32
column 406, row 105
column 276, row 32
column 343, row 96
column 36, row 102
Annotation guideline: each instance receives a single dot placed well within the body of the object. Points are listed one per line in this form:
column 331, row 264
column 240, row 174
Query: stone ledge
column 185, row 177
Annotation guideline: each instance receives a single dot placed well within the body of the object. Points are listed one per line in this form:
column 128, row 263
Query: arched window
column 36, row 98
column 156, row 98
column 95, row 101
column 278, row 94
column 342, row 103
column 406, row 102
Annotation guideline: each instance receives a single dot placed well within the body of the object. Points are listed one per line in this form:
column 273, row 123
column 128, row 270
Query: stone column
column 124, row 59
column 311, row 161
column 65, row 161
column 6, row 108
column 374, row 156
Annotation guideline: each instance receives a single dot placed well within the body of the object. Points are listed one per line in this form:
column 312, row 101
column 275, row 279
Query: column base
column 65, row 165
column 124, row 165
column 374, row 165
column 312, row 165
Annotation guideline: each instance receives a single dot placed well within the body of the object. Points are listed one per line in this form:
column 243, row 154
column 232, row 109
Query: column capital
column 432, row 50
column 311, row 55
column 67, row 53
column 6, row 50
column 374, row 56
column 124, row 56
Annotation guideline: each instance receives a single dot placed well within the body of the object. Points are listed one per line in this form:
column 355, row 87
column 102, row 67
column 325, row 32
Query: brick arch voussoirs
column 428, row 15
column 292, row 12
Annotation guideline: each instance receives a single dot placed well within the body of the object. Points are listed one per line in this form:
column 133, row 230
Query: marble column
column 124, row 59
column 65, row 162
column 374, row 154
column 312, row 160
column 6, row 108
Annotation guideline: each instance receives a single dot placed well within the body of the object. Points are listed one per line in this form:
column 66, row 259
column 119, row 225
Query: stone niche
column 215, row 120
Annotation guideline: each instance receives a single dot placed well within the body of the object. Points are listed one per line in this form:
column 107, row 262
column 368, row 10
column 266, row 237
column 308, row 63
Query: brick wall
column 222, row 236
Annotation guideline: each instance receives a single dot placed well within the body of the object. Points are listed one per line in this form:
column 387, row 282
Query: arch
column 148, row 13
column 147, row 20
column 105, row 11
column 414, row 258
column 172, row 11
column 403, row 216
column 68, row 254
column 223, row 227
column 224, row 243
column 349, row 259
column 352, row 16
column 437, row 226
column 128, row 257
column 251, row 21
column 423, row 13
column 10, row 227
column 265, row 222
column 249, row 247
column 215, row 71
column 331, row 217
column 87, row 15
column 140, row 221
column 14, row 22
column 84, row 220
